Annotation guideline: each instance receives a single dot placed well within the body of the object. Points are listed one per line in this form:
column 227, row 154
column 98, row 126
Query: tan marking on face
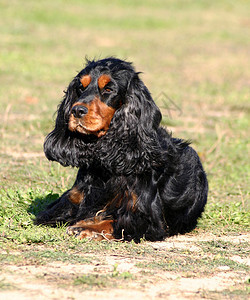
column 96, row 121
column 76, row 196
column 103, row 80
column 85, row 80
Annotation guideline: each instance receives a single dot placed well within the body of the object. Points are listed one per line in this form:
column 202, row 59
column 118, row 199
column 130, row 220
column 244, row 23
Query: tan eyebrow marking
column 103, row 80
column 85, row 80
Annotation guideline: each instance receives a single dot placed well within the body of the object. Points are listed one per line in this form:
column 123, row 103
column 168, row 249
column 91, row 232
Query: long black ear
column 140, row 105
column 139, row 119
column 59, row 145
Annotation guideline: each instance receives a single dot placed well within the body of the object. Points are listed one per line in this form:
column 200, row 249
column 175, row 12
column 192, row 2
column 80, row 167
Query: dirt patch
column 120, row 276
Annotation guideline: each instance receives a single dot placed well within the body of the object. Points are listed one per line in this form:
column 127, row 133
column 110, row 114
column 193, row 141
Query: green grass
column 4, row 285
column 223, row 218
column 103, row 281
column 187, row 263
column 196, row 53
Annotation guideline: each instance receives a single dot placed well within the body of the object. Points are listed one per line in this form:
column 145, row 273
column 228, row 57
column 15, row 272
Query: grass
column 103, row 281
column 194, row 58
column 228, row 217
column 4, row 285
column 210, row 257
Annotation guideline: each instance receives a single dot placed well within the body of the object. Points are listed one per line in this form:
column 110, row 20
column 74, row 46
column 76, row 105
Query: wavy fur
column 148, row 183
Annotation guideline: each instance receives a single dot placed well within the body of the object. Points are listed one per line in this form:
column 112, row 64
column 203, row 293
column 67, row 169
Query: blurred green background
column 194, row 56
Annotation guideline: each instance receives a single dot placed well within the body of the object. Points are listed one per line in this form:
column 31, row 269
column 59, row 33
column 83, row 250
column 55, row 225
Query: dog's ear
column 137, row 123
column 59, row 145
column 140, row 106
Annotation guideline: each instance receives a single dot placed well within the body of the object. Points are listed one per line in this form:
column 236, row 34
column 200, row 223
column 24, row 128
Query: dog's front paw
column 74, row 231
column 92, row 229
column 83, row 233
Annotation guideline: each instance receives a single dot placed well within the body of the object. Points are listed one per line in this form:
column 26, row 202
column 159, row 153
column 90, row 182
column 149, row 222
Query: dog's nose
column 79, row 111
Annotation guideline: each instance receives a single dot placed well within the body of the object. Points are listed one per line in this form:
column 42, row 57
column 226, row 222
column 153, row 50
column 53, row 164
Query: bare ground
column 57, row 280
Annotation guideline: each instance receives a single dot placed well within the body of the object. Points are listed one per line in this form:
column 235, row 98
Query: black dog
column 134, row 179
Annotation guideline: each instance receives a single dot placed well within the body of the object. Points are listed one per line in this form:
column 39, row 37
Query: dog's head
column 98, row 91
column 104, row 100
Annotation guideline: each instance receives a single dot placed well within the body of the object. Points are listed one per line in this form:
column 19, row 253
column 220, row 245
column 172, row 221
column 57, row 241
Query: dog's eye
column 107, row 90
column 79, row 91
